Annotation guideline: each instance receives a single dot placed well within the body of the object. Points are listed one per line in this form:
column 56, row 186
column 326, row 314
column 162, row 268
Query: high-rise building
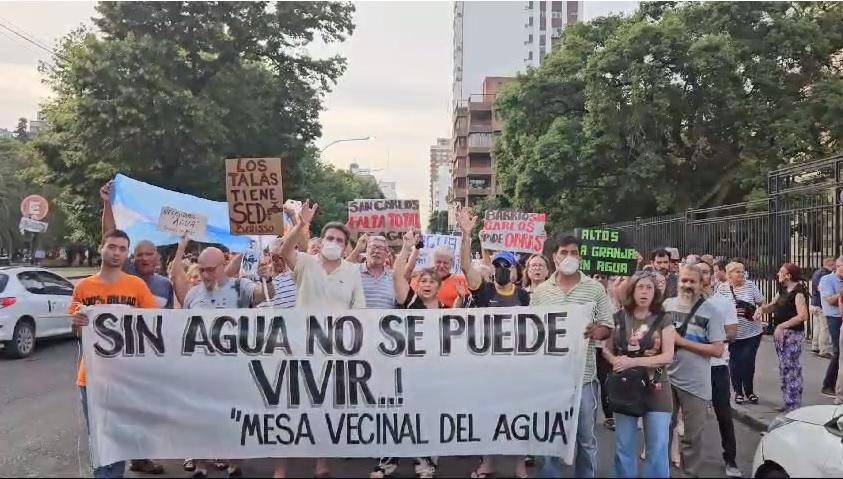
column 476, row 125
column 440, row 174
column 388, row 189
column 488, row 41
column 543, row 25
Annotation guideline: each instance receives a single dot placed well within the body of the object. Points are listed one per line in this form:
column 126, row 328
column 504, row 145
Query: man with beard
column 218, row 291
column 660, row 261
column 699, row 337
column 110, row 286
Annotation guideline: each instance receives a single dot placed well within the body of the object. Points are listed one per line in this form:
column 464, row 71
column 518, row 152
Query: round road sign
column 35, row 207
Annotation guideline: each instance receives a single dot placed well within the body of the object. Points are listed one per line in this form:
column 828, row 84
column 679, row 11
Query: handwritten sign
column 513, row 231
column 389, row 218
column 182, row 223
column 33, row 226
column 606, row 251
column 255, row 196
column 431, row 243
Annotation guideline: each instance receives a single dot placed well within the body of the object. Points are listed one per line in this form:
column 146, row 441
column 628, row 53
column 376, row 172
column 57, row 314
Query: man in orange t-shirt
column 110, row 286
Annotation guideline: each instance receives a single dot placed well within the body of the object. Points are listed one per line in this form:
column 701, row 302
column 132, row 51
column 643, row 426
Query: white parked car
column 805, row 442
column 33, row 305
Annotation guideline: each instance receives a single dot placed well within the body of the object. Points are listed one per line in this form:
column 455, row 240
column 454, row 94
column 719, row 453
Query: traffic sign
column 34, row 207
column 33, row 226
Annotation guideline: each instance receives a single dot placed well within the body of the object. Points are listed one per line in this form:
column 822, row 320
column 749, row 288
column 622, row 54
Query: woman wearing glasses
column 641, row 346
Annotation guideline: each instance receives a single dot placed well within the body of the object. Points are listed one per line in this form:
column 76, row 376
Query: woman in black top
column 790, row 311
column 424, row 297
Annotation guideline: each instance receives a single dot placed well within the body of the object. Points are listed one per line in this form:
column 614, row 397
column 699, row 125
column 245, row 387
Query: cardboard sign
column 513, row 231
column 431, row 242
column 33, row 226
column 255, row 197
column 182, row 223
column 388, row 218
column 606, row 251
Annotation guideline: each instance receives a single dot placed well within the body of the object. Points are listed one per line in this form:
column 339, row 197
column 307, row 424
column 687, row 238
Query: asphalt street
column 42, row 433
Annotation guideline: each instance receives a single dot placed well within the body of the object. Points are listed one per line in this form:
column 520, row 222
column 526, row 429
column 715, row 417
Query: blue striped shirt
column 285, row 292
column 379, row 291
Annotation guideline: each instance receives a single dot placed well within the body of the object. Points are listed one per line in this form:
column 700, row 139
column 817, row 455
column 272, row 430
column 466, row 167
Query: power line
column 29, row 40
column 31, row 35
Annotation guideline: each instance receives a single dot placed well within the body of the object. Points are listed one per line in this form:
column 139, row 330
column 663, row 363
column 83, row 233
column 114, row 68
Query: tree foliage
column 679, row 105
column 20, row 130
column 165, row 91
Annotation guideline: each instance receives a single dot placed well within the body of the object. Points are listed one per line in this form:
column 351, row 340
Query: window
column 4, row 280
column 542, row 40
column 54, row 284
column 29, row 280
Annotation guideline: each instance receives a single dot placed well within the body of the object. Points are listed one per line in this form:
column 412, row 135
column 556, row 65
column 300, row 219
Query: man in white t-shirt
column 720, row 388
column 324, row 280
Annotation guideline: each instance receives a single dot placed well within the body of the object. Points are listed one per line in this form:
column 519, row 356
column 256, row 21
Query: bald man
column 217, row 290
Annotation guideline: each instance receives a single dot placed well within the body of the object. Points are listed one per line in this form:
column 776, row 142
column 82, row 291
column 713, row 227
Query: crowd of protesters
column 687, row 329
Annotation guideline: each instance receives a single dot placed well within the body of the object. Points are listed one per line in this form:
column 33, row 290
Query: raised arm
column 359, row 248
column 232, row 270
column 293, row 213
column 402, row 284
column 108, row 223
column 466, row 221
column 288, row 249
column 178, row 276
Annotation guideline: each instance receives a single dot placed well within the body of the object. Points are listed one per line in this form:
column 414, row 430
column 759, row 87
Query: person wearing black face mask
column 503, row 292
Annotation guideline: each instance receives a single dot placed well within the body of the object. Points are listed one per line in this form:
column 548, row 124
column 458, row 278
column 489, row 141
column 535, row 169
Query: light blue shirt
column 830, row 285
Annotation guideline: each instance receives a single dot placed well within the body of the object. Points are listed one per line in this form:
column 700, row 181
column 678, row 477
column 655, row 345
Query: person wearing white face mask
column 570, row 285
column 324, row 280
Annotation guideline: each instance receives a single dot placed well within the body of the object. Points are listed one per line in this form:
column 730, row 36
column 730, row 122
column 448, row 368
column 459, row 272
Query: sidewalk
column 768, row 387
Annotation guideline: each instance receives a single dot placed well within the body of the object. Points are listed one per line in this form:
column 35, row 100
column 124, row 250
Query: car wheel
column 23, row 340
column 771, row 470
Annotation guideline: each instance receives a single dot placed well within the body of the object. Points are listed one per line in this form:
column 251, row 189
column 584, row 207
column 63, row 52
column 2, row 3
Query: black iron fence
column 799, row 222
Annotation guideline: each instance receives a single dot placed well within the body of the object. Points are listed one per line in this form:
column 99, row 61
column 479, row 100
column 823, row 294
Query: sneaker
column 425, row 468
column 752, row 399
column 386, row 468
column 828, row 392
column 530, row 461
column 189, row 465
column 733, row 471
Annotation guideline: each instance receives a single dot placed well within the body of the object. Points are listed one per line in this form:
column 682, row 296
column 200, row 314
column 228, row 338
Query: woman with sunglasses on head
column 641, row 345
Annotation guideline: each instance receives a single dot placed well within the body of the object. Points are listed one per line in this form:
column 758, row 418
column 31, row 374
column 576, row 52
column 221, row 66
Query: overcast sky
column 396, row 88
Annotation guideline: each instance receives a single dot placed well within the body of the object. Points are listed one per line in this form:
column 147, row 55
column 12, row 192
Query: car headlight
column 779, row 421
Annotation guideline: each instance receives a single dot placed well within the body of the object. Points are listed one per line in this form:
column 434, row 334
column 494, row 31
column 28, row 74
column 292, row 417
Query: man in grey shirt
column 700, row 336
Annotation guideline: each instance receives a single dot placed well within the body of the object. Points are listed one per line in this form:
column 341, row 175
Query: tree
column 20, row 131
column 677, row 106
column 164, row 92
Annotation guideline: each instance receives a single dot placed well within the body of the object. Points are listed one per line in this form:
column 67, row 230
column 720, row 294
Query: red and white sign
column 513, row 231
column 34, row 207
column 389, row 218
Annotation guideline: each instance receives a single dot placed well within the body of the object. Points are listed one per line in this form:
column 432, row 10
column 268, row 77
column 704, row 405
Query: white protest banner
column 431, row 242
column 311, row 383
column 389, row 218
column 33, row 226
column 181, row 223
column 513, row 231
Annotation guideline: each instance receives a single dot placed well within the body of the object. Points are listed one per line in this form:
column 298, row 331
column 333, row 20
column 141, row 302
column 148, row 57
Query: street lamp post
column 365, row 138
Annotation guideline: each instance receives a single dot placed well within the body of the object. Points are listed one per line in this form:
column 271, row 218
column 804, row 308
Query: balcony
column 480, row 170
column 458, row 193
column 481, row 128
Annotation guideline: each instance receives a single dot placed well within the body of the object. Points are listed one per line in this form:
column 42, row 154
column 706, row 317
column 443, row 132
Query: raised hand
column 105, row 191
column 409, row 239
column 466, row 219
column 308, row 210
